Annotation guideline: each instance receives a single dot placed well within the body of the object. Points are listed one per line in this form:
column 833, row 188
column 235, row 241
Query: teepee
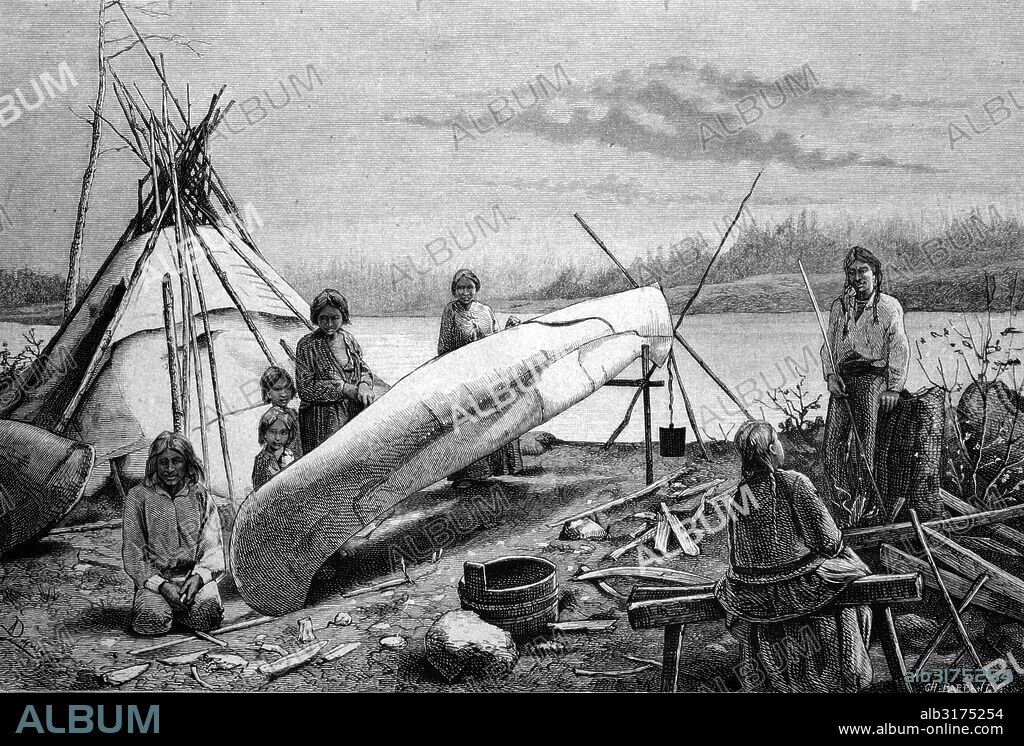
column 177, row 325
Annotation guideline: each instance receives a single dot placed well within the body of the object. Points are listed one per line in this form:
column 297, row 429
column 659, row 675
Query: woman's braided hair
column 860, row 254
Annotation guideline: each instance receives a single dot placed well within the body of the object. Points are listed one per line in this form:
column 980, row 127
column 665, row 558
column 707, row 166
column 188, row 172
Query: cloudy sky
column 390, row 123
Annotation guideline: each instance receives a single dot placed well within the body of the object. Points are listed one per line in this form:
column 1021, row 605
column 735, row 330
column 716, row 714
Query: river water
column 755, row 354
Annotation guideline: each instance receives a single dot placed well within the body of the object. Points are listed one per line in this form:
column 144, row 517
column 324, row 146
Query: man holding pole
column 865, row 360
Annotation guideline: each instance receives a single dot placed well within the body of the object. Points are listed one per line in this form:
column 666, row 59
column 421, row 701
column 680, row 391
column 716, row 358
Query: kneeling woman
column 172, row 545
column 787, row 563
column 333, row 380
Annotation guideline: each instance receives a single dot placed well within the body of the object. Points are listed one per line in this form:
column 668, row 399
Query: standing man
column 872, row 358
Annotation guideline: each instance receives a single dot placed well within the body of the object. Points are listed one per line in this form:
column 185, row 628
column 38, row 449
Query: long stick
column 214, row 379
column 849, row 410
column 222, row 631
column 75, row 261
column 941, row 634
column 645, row 366
column 942, row 588
column 689, row 408
column 605, row 249
column 895, row 532
column 714, row 377
column 620, row 500
column 172, row 351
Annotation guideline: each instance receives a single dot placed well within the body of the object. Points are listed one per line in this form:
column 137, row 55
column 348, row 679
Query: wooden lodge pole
column 645, row 365
column 172, row 351
column 217, row 401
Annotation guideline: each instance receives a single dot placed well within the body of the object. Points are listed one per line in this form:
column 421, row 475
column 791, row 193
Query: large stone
column 462, row 644
column 583, row 528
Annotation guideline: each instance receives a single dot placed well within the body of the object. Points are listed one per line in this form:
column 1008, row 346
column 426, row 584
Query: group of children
column 279, row 427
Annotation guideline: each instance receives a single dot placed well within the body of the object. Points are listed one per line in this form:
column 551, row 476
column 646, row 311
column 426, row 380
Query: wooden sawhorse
column 672, row 608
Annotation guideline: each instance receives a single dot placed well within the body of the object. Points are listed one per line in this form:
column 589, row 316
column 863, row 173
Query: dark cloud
column 673, row 110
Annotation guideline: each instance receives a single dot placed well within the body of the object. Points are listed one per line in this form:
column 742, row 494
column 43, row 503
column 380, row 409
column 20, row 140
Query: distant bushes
column 975, row 239
column 23, row 287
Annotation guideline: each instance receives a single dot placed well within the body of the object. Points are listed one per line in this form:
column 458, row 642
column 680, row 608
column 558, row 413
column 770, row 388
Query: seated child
column 278, row 390
column 172, row 545
column 277, row 430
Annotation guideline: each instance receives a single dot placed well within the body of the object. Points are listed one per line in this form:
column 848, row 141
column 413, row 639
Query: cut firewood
column 667, row 574
column 587, row 625
column 686, row 542
column 611, row 591
column 340, row 651
column 635, row 543
column 898, row 561
column 179, row 660
column 661, row 533
column 306, row 633
column 292, row 661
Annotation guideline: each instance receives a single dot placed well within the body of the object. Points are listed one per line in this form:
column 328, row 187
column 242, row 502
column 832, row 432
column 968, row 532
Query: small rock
column 585, row 548
column 546, row 647
column 258, row 640
column 393, row 643
column 342, row 619
column 462, row 644
column 387, row 594
column 124, row 675
column 226, row 661
column 583, row 528
column 380, row 625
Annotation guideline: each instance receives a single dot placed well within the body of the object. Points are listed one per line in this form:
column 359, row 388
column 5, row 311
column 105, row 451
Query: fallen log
column 895, row 560
column 967, row 564
column 897, row 532
column 667, row 574
column 1009, row 536
column 653, row 487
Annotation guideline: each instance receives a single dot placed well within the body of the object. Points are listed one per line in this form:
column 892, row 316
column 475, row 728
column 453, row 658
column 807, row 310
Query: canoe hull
column 42, row 477
column 441, row 417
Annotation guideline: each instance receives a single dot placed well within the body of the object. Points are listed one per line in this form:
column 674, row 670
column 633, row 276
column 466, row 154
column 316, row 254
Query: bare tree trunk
column 75, row 264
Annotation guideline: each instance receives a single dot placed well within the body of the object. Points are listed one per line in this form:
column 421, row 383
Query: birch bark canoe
column 446, row 414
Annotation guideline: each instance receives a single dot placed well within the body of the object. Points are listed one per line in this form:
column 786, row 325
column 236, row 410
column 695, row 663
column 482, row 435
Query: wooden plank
column 967, row 564
column 670, row 657
column 686, row 542
column 897, row 532
column 585, row 625
column 1009, row 536
column 895, row 560
column 661, row 536
column 891, row 648
column 651, row 608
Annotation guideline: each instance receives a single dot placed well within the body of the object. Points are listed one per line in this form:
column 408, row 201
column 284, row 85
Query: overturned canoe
column 441, row 417
column 42, row 476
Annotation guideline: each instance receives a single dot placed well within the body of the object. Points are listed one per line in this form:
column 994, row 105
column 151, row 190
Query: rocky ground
column 64, row 601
